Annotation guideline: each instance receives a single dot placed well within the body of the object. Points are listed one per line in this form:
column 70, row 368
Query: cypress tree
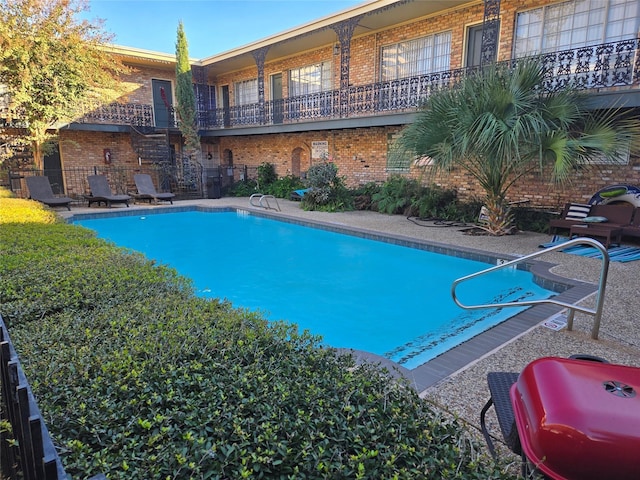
column 185, row 96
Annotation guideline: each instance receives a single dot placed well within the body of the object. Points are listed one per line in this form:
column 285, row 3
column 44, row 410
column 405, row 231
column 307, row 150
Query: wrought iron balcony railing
column 140, row 115
column 613, row 65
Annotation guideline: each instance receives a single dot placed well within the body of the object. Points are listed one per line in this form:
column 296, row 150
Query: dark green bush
column 268, row 183
column 531, row 219
column 406, row 196
column 363, row 196
column 396, row 195
column 244, row 188
column 434, row 202
column 266, row 175
column 139, row 379
column 283, row 186
column 327, row 190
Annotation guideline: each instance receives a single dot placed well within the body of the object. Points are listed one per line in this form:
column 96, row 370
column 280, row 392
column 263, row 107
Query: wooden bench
column 618, row 215
column 633, row 229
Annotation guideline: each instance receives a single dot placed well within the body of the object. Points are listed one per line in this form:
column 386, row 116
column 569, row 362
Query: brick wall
column 137, row 83
column 361, row 156
column 85, row 149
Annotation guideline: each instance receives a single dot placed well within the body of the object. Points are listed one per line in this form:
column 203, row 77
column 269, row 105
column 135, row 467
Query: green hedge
column 137, row 378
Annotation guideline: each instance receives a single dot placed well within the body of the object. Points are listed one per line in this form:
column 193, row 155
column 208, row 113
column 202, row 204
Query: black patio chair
column 147, row 190
column 101, row 192
column 40, row 190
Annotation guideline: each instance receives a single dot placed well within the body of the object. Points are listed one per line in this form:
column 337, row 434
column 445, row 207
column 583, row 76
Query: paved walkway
column 464, row 392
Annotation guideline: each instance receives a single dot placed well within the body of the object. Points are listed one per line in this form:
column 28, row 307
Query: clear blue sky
column 211, row 26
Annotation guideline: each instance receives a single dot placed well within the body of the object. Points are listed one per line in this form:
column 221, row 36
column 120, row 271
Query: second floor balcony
column 610, row 67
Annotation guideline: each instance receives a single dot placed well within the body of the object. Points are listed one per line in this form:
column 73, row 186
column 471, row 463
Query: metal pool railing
column 572, row 307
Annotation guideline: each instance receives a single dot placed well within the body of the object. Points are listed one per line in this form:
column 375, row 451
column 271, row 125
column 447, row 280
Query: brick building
column 343, row 86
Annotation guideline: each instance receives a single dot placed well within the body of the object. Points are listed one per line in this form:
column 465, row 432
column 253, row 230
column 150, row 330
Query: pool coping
column 455, row 359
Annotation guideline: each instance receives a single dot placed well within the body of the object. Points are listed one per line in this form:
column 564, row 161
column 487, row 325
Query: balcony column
column 490, row 31
column 259, row 56
column 344, row 30
column 636, row 70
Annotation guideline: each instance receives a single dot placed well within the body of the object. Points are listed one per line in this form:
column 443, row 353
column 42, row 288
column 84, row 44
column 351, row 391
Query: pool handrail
column 261, row 197
column 596, row 312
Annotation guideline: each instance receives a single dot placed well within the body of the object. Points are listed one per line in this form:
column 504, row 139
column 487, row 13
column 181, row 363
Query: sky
column 211, row 26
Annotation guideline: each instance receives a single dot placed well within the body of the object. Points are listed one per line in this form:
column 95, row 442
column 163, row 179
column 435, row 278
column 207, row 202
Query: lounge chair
column 299, row 194
column 40, row 190
column 147, row 190
column 101, row 192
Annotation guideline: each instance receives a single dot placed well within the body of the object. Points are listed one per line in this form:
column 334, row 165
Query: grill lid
column 579, row 419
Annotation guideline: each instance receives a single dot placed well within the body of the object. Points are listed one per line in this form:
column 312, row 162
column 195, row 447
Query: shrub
column 434, row 202
column 14, row 210
column 139, row 379
column 245, row 188
column 327, row 191
column 4, row 193
column 531, row 219
column 363, row 196
column 267, row 183
column 283, row 186
column 396, row 195
column 266, row 175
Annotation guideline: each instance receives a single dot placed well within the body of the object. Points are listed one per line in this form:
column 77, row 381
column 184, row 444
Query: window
column 416, row 57
column 246, row 92
column 397, row 162
column 574, row 24
column 622, row 158
column 310, row 79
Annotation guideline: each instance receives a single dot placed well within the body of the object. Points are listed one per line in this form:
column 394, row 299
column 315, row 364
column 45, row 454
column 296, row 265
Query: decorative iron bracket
column 490, row 32
column 344, row 30
column 259, row 56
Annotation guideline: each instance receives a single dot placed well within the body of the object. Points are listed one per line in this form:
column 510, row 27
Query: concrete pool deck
column 461, row 389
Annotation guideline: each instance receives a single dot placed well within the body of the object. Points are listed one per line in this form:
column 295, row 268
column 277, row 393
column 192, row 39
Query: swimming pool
column 379, row 297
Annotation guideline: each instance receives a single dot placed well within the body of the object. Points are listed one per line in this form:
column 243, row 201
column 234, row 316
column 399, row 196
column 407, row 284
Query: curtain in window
column 574, row 24
column 310, row 79
column 246, row 92
column 416, row 57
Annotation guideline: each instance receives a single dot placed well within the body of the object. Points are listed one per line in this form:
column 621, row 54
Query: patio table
column 608, row 234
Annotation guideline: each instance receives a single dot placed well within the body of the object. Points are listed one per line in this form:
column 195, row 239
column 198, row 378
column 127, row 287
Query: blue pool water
column 358, row 293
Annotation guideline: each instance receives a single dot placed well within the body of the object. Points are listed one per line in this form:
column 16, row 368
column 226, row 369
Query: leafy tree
column 51, row 65
column 185, row 96
column 499, row 125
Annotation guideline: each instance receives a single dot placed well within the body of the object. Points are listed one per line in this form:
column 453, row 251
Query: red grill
column 579, row 419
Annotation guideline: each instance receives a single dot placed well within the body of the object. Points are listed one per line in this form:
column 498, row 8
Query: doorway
column 276, row 98
column 226, row 114
column 162, row 114
column 474, row 46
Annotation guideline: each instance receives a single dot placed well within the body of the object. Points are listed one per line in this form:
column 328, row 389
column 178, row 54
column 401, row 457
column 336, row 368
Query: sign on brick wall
column 319, row 150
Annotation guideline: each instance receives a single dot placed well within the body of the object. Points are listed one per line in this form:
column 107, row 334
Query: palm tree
column 498, row 124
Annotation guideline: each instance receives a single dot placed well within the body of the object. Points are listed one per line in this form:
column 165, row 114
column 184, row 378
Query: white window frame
column 419, row 56
column 574, row 24
column 245, row 92
column 312, row 78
